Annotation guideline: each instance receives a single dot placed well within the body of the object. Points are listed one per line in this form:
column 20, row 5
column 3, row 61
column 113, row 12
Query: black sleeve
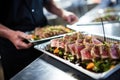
column 46, row 1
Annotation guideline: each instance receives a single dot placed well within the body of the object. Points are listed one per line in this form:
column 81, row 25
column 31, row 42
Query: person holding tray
column 17, row 17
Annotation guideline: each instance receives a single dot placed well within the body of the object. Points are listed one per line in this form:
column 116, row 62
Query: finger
column 29, row 36
column 25, row 36
column 22, row 35
column 73, row 19
column 24, row 45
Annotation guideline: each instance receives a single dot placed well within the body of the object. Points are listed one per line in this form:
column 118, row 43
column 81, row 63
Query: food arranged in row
column 107, row 17
column 107, row 14
column 87, row 51
column 49, row 31
column 111, row 9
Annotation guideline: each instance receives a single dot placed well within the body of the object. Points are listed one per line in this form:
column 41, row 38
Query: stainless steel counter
column 112, row 29
column 42, row 69
column 85, row 24
column 47, row 68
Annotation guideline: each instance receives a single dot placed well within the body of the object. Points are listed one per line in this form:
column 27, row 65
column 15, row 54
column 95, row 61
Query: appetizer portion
column 49, row 31
column 87, row 51
column 107, row 17
column 111, row 9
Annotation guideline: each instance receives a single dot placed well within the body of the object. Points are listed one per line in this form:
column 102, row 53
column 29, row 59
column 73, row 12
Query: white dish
column 103, row 75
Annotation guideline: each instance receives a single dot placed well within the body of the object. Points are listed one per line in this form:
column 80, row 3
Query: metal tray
column 88, row 18
column 46, row 39
column 42, row 47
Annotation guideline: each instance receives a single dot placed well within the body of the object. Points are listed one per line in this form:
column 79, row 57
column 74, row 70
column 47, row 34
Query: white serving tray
column 48, row 38
column 42, row 47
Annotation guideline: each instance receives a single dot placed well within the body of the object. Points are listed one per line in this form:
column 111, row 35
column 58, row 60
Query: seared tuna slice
column 95, row 51
column 79, row 41
column 72, row 48
column 54, row 42
column 61, row 43
column 86, row 54
column 78, row 48
column 114, row 51
column 104, row 51
column 96, row 41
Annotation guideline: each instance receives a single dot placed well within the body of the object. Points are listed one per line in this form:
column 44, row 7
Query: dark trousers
column 14, row 60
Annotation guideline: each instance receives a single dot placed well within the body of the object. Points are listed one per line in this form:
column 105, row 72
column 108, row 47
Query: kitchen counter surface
column 48, row 68
column 85, row 24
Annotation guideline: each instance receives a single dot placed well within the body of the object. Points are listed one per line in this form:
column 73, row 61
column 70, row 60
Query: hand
column 17, row 38
column 69, row 17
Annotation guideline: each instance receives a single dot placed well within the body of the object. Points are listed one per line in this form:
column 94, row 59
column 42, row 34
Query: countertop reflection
column 48, row 68
column 111, row 29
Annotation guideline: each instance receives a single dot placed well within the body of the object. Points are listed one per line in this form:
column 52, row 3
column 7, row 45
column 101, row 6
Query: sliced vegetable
column 56, row 50
column 35, row 37
column 112, row 66
column 51, row 49
column 90, row 65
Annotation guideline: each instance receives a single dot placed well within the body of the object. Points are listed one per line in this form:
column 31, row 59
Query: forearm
column 16, row 37
column 5, row 32
column 53, row 8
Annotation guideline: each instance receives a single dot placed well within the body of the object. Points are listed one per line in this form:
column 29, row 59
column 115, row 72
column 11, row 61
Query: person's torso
column 22, row 14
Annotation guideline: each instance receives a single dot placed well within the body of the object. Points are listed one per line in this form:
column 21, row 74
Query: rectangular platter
column 49, row 32
column 94, row 17
column 42, row 47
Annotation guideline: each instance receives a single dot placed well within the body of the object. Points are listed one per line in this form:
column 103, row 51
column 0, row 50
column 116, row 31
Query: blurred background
column 79, row 7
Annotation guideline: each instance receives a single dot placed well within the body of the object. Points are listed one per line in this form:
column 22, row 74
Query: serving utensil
column 103, row 30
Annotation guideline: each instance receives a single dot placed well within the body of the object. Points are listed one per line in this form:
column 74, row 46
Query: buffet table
column 48, row 68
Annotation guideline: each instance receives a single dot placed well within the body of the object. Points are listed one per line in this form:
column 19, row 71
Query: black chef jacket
column 23, row 15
